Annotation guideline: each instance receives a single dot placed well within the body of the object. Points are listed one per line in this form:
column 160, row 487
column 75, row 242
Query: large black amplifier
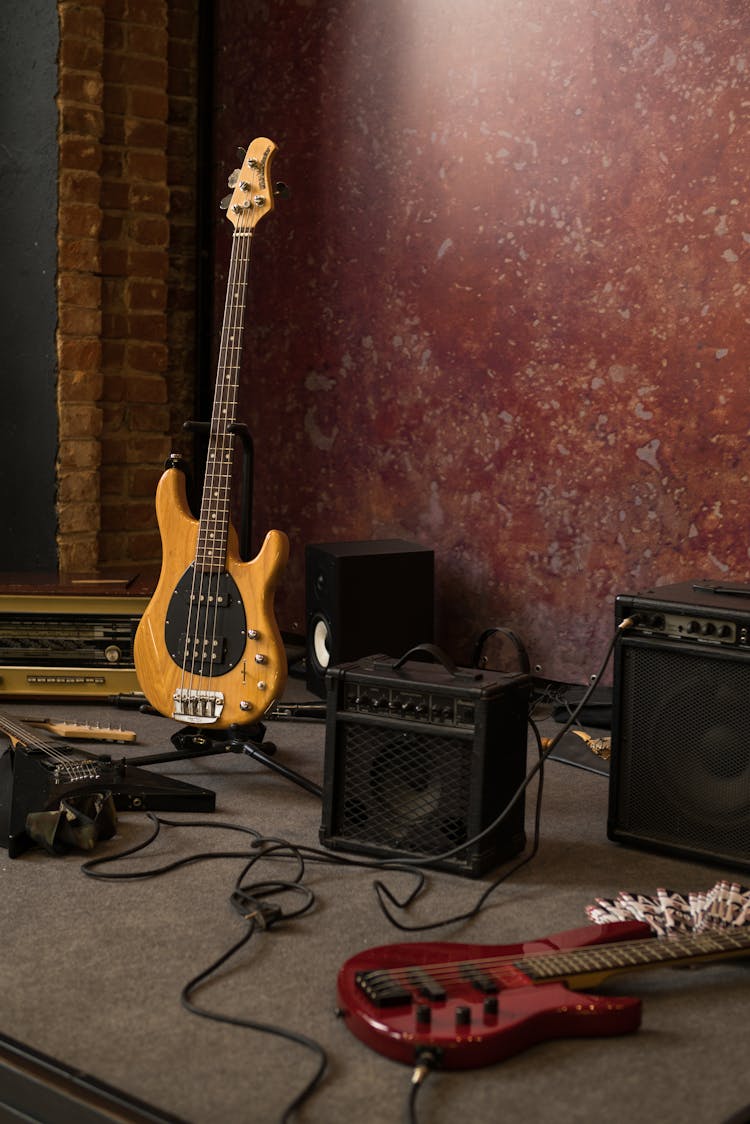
column 680, row 767
column 422, row 757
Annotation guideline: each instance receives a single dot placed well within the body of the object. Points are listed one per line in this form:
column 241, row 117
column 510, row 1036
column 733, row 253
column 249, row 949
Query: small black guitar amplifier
column 422, row 757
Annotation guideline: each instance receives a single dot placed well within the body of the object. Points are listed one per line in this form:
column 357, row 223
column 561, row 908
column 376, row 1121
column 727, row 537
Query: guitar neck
column 214, row 521
column 588, row 967
column 24, row 735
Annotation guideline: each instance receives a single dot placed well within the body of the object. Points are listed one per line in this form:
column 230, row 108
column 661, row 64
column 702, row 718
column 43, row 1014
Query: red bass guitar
column 471, row 1005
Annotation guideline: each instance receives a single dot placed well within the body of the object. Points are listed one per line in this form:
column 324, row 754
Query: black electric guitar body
column 37, row 774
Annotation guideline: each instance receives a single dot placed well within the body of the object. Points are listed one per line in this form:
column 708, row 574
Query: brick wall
column 126, row 268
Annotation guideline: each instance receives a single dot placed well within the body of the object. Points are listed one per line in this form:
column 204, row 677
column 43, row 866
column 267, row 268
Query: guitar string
column 207, row 575
column 225, row 409
column 672, row 948
column 198, row 591
column 30, row 740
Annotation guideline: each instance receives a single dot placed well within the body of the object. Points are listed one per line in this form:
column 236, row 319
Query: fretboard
column 575, row 966
column 214, row 522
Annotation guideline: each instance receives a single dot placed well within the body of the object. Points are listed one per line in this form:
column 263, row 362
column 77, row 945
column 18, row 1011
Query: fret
column 213, row 525
column 632, row 954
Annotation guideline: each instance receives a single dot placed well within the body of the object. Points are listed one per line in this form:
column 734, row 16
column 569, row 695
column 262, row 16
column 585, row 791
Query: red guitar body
column 473, row 1022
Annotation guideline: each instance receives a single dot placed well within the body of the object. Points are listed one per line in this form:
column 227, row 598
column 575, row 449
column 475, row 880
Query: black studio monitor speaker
column 364, row 597
column 680, row 766
column 422, row 758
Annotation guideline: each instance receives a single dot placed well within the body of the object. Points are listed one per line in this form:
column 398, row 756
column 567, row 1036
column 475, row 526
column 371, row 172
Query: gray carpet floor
column 92, row 971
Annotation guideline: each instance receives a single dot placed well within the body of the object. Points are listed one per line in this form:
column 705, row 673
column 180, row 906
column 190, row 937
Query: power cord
column 255, row 905
column 427, row 1060
column 255, row 902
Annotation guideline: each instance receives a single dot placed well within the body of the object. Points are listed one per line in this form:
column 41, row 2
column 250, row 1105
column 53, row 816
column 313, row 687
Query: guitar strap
column 78, row 823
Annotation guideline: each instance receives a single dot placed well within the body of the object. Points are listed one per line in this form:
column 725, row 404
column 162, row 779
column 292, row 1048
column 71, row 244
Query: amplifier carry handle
column 440, row 657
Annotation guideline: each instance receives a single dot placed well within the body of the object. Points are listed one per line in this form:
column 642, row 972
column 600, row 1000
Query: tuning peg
column 241, row 155
column 282, row 191
column 232, row 181
column 224, row 205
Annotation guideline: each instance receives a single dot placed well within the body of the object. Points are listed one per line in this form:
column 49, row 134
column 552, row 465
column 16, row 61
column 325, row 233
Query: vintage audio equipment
column 680, row 766
column 364, row 597
column 421, row 757
column 71, row 638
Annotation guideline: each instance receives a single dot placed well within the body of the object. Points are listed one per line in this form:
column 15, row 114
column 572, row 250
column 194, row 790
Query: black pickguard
column 205, row 629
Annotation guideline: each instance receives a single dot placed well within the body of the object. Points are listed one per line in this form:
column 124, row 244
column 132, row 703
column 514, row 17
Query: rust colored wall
column 505, row 311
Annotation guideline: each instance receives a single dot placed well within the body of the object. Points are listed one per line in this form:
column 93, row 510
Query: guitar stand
column 190, row 741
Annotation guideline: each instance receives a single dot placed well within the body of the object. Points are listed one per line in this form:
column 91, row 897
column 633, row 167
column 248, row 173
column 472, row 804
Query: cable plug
column 427, row 1059
column 253, row 909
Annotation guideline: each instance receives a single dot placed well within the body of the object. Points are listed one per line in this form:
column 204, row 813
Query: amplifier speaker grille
column 402, row 789
column 680, row 771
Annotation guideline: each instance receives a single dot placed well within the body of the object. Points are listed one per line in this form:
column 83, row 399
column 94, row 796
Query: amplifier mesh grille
column 403, row 790
column 683, row 755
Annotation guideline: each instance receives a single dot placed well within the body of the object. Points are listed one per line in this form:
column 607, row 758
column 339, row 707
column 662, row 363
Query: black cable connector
column 426, row 1059
column 262, row 913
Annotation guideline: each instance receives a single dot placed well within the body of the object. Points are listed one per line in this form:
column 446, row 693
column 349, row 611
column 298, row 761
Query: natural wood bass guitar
column 470, row 1005
column 208, row 649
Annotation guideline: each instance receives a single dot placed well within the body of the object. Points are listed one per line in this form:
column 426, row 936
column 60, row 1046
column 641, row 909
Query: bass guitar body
column 457, row 1006
column 473, row 1005
column 208, row 649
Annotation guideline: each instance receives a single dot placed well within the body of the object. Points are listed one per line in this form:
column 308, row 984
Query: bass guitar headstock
column 252, row 194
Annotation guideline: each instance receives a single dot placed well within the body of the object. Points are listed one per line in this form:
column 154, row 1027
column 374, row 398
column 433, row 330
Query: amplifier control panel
column 692, row 611
column 411, row 705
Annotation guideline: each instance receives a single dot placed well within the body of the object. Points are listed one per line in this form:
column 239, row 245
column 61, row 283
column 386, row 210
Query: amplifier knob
column 112, row 654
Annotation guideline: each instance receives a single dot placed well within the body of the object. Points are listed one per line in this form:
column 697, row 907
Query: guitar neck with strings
column 79, row 730
column 471, row 1005
column 208, row 650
